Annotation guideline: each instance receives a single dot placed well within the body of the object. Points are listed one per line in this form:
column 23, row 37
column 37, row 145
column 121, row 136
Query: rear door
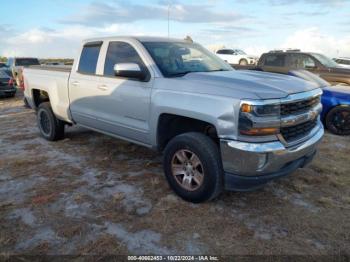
column 125, row 101
column 83, row 86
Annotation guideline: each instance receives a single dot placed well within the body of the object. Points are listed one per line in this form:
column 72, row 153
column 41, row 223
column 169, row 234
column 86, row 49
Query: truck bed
column 53, row 80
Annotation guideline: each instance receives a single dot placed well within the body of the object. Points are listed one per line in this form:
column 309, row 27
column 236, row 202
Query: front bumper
column 250, row 165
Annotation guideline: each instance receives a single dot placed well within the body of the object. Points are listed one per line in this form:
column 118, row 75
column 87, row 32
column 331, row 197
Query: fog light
column 262, row 159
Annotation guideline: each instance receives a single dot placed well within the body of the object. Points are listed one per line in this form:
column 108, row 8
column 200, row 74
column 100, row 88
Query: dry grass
column 91, row 194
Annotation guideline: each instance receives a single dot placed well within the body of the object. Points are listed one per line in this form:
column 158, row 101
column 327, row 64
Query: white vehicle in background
column 236, row 57
column 343, row 61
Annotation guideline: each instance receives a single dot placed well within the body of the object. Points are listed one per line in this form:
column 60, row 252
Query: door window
column 275, row 60
column 88, row 58
column 120, row 52
column 301, row 61
column 225, row 52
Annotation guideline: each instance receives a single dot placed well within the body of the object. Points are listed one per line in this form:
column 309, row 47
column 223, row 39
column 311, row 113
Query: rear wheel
column 338, row 120
column 50, row 127
column 243, row 62
column 192, row 165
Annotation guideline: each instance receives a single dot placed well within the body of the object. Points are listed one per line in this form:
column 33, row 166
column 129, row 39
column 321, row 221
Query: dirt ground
column 92, row 194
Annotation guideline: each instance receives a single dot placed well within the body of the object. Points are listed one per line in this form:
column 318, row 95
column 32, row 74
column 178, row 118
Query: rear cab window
column 89, row 57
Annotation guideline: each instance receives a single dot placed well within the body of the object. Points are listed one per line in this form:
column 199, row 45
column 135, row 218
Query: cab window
column 275, row 60
column 120, row 52
column 225, row 52
column 301, row 61
column 89, row 58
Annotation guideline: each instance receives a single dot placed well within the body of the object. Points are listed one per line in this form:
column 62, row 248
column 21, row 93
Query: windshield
column 27, row 61
column 324, row 60
column 240, row 52
column 178, row 58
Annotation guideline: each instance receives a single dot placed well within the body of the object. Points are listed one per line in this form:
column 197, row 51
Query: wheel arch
column 171, row 125
column 39, row 96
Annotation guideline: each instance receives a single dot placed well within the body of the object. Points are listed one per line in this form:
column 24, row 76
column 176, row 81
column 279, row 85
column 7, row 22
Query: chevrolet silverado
column 217, row 128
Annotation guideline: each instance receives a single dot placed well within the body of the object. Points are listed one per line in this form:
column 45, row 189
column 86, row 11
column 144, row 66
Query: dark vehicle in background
column 285, row 61
column 7, row 88
column 15, row 66
column 3, row 65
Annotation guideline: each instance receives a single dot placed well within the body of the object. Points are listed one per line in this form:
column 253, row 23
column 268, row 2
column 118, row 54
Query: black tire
column 208, row 154
column 51, row 128
column 243, row 62
column 338, row 120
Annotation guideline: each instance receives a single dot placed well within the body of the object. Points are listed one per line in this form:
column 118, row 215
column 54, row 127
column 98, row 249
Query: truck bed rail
column 52, row 68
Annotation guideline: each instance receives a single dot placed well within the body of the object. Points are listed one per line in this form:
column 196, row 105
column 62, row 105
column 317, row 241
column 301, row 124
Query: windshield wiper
column 218, row 70
column 180, row 73
column 187, row 72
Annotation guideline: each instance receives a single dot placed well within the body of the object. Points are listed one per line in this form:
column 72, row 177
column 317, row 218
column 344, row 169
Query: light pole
column 169, row 5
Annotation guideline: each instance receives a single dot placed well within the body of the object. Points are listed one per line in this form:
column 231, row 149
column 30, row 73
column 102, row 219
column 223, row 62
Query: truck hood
column 248, row 84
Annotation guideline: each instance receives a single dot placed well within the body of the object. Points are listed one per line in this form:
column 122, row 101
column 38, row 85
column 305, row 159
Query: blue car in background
column 336, row 109
column 336, row 103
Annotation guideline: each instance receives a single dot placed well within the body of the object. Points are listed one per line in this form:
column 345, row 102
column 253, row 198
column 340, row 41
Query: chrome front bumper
column 260, row 159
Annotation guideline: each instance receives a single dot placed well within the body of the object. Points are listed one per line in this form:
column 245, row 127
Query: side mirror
column 129, row 70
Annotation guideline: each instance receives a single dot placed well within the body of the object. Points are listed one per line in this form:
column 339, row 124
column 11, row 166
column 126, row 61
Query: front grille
column 293, row 133
column 299, row 107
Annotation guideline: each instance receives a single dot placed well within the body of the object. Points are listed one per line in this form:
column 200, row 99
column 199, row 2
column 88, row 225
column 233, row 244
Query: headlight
column 259, row 120
column 261, row 110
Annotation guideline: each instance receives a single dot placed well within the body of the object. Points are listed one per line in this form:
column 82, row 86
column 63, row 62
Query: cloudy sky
column 54, row 28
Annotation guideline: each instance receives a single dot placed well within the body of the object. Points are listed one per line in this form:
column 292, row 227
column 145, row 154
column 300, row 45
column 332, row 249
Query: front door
column 125, row 102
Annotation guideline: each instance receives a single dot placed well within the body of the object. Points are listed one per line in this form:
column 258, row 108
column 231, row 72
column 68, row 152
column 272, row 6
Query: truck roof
column 138, row 38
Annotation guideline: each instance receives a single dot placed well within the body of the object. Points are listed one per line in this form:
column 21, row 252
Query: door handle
column 103, row 87
column 75, row 83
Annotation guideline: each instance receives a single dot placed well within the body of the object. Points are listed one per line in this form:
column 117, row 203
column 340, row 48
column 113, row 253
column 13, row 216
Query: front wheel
column 193, row 168
column 338, row 120
column 50, row 127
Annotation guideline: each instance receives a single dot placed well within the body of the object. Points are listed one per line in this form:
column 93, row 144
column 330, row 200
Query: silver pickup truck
column 218, row 128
